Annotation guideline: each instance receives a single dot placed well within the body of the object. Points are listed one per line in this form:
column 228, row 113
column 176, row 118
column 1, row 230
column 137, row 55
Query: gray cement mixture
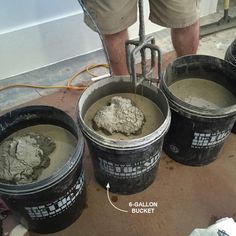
column 202, row 93
column 120, row 115
column 154, row 117
column 24, row 156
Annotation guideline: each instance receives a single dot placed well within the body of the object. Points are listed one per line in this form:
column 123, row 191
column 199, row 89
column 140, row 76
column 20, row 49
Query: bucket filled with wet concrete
column 41, row 172
column 201, row 91
column 124, row 132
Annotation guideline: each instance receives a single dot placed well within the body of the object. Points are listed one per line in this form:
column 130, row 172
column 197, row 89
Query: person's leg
column 113, row 19
column 115, row 44
column 182, row 16
column 185, row 40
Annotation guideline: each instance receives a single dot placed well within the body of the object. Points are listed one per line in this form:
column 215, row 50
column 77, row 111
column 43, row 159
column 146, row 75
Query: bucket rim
column 121, row 144
column 62, row 172
column 195, row 110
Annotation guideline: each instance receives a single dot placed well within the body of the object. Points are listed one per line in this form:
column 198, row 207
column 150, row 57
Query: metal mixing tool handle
column 140, row 47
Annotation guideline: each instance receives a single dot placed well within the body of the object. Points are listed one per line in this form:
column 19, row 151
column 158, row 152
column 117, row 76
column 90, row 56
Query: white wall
column 16, row 15
column 37, row 33
column 208, row 7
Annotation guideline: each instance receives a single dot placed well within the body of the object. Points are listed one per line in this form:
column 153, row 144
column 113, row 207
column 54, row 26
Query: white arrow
column 108, row 186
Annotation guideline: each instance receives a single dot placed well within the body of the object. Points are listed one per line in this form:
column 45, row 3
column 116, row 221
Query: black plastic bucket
column 196, row 135
column 230, row 56
column 53, row 203
column 129, row 166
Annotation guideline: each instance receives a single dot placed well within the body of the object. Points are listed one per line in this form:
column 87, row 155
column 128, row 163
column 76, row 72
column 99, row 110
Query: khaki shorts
column 113, row 16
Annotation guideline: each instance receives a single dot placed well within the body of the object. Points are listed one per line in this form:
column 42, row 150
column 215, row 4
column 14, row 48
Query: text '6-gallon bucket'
column 202, row 95
column 129, row 166
column 56, row 198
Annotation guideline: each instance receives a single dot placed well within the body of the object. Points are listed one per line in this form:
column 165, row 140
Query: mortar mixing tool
column 140, row 47
column 135, row 49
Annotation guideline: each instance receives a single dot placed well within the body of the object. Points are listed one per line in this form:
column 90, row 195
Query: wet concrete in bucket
column 202, row 93
column 153, row 117
column 120, row 115
column 34, row 153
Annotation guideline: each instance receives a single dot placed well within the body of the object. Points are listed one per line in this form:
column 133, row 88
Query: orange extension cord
column 68, row 84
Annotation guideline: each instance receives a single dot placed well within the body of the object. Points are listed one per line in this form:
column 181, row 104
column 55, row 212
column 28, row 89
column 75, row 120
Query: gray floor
column 217, row 43
column 214, row 45
column 56, row 74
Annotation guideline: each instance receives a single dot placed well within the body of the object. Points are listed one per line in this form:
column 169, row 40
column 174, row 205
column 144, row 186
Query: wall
column 35, row 33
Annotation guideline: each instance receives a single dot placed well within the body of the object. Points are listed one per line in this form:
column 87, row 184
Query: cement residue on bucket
column 152, row 114
column 34, row 153
column 120, row 115
column 202, row 93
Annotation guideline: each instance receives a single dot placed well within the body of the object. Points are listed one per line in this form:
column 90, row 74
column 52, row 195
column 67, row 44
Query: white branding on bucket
column 204, row 140
column 124, row 171
column 58, row 206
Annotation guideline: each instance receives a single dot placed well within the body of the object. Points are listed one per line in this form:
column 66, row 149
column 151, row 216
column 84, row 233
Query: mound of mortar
column 119, row 116
column 23, row 157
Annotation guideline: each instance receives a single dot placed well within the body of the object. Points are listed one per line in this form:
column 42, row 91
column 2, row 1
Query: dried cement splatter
column 23, row 157
column 119, row 116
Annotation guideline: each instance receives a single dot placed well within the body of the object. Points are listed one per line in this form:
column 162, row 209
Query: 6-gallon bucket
column 55, row 202
column 197, row 134
column 129, row 166
column 230, row 56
